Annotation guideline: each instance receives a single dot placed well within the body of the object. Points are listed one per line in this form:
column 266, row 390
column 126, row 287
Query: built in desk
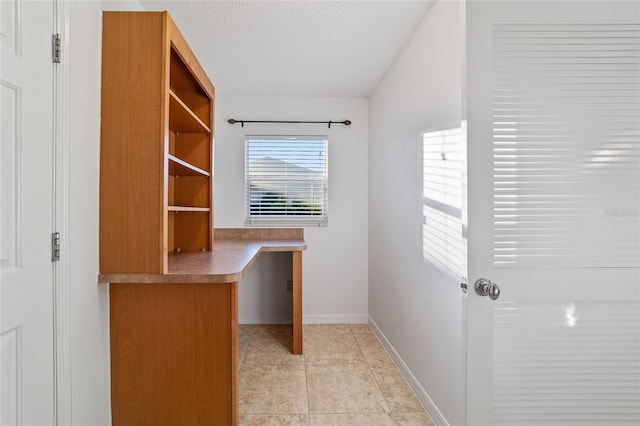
column 174, row 336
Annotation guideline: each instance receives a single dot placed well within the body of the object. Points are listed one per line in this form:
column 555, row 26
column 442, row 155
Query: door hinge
column 57, row 48
column 55, row 247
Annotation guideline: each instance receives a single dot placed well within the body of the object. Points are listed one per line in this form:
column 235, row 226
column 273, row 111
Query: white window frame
column 286, row 180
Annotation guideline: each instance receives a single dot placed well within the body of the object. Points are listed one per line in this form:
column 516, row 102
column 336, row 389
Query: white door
column 26, row 213
column 554, row 212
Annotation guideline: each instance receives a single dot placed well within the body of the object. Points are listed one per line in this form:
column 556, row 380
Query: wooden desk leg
column 297, row 303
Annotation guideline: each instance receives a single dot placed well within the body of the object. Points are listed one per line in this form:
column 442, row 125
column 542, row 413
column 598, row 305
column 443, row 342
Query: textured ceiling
column 295, row 48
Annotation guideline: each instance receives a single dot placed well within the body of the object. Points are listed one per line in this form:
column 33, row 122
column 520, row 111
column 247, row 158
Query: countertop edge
column 265, row 245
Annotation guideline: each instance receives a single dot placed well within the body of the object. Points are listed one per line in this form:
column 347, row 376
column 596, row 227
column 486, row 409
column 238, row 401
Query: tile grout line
column 396, row 369
column 374, row 378
column 253, row 337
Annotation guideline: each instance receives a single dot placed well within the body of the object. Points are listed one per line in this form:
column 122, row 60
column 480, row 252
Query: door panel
column 565, row 361
column 554, row 219
column 26, row 206
column 10, row 98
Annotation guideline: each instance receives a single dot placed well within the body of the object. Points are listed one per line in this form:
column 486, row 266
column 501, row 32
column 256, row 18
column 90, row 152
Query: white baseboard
column 334, row 319
column 275, row 319
column 422, row 395
column 306, row 319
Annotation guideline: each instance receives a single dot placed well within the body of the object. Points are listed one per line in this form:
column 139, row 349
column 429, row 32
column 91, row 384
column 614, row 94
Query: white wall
column 335, row 275
column 417, row 308
column 89, row 301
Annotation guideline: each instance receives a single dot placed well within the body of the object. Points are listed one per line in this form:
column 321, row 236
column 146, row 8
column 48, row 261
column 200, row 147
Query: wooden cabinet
column 173, row 318
column 156, row 170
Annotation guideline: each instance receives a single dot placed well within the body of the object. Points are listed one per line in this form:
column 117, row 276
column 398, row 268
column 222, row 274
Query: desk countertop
column 234, row 251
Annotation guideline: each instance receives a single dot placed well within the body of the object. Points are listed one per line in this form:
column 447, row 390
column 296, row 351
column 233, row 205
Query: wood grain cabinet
column 173, row 296
column 156, row 170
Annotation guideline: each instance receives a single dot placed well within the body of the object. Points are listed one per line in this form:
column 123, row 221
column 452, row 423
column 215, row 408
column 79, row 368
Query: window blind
column 566, row 144
column 286, row 180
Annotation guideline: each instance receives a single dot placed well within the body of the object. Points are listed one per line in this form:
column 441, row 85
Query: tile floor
column 345, row 377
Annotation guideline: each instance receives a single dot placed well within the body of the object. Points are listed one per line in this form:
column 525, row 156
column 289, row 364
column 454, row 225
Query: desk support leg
column 297, row 303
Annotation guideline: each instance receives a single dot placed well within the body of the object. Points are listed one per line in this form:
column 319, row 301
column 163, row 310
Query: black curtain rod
column 329, row 123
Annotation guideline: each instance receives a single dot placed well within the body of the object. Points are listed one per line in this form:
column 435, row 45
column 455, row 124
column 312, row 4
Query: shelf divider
column 179, row 167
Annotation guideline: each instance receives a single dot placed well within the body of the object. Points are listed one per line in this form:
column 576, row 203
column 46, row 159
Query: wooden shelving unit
column 173, row 296
column 156, row 170
column 173, row 345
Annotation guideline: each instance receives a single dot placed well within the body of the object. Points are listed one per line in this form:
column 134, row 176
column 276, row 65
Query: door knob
column 485, row 287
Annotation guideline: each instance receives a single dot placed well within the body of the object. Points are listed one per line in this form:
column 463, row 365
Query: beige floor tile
column 266, row 389
column 274, row 420
column 360, row 329
column 332, row 349
column 243, row 344
column 378, row 419
column 342, row 388
column 412, row 419
column 395, row 389
column 372, row 349
column 271, row 349
column 246, row 329
column 273, row 329
column 326, row 329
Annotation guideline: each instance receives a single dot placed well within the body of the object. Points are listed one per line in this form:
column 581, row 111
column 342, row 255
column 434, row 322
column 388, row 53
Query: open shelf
column 187, row 209
column 178, row 167
column 182, row 119
column 186, row 85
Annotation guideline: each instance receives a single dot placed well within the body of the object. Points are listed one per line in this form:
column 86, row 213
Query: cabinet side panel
column 132, row 143
column 174, row 354
column 212, row 108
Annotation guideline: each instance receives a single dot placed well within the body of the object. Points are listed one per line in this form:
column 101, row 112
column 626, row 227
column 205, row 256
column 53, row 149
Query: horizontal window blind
column 566, row 145
column 444, row 155
column 286, row 180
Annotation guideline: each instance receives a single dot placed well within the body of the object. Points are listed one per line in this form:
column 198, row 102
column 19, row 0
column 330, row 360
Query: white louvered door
column 554, row 213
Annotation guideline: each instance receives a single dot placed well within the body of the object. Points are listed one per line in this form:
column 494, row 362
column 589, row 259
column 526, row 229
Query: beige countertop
column 234, row 251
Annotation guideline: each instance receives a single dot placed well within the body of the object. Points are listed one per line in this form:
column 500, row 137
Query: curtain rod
column 329, row 123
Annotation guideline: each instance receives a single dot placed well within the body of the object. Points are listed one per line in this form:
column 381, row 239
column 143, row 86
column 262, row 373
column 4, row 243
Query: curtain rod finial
column 231, row 121
column 347, row 122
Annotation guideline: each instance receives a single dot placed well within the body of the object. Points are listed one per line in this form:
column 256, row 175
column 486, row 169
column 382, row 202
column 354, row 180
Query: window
column 443, row 241
column 286, row 180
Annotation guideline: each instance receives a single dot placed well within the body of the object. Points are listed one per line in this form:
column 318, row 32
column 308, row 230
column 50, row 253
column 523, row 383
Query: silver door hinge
column 57, row 48
column 55, row 247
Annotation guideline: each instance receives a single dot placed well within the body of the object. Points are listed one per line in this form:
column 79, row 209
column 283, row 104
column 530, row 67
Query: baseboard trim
column 422, row 395
column 306, row 319
column 277, row 319
column 334, row 319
